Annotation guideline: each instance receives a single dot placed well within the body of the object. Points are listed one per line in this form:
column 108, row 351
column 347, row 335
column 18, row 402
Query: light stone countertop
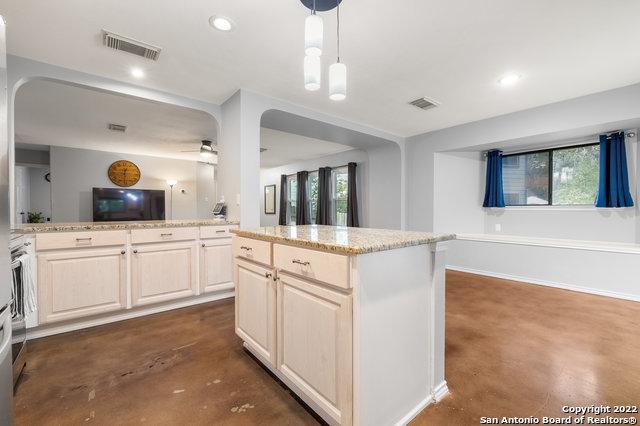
column 35, row 228
column 343, row 240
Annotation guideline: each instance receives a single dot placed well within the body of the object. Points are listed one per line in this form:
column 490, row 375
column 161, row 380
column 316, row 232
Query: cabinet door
column 314, row 344
column 216, row 265
column 255, row 308
column 161, row 272
column 78, row 283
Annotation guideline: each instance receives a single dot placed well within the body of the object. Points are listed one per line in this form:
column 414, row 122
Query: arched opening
column 290, row 143
column 66, row 137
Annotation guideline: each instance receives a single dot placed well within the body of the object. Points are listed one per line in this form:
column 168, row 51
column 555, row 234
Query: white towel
column 28, row 283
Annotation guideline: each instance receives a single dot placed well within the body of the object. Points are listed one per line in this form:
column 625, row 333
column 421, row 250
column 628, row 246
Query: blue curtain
column 613, row 188
column 493, row 194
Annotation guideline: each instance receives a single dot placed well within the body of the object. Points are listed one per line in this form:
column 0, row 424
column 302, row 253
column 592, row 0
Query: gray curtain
column 323, row 214
column 282, row 219
column 303, row 216
column 352, row 197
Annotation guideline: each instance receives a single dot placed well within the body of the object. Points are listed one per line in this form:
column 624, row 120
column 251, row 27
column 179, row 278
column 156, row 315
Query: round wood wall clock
column 124, row 173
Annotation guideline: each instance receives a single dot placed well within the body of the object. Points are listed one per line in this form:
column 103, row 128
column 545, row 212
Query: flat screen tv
column 120, row 204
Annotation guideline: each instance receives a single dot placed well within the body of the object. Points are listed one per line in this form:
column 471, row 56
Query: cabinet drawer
column 159, row 235
column 64, row 240
column 256, row 250
column 216, row 231
column 326, row 267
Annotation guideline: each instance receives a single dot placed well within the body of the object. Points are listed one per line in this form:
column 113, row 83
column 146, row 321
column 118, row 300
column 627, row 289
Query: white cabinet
column 314, row 349
column 74, row 283
column 161, row 272
column 256, row 308
column 216, row 265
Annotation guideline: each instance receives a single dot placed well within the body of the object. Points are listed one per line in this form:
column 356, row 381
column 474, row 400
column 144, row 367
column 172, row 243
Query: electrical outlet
column 498, row 227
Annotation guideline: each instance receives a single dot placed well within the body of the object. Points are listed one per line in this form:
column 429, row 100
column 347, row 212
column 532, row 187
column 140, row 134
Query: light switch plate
column 498, row 227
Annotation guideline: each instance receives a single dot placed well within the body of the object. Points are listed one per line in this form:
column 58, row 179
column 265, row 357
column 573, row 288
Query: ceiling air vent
column 425, row 103
column 117, row 127
column 130, row 45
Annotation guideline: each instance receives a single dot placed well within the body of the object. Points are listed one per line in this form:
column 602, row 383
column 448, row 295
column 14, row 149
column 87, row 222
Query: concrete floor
column 512, row 350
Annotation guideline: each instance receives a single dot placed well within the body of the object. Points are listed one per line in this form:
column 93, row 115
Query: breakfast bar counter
column 351, row 319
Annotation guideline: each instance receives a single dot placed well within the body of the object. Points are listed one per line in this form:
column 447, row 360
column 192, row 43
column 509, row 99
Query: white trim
column 415, row 411
column 547, row 283
column 48, row 330
column 603, row 246
column 440, row 391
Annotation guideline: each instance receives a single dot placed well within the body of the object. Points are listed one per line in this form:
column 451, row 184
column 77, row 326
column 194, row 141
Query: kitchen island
column 91, row 273
column 351, row 319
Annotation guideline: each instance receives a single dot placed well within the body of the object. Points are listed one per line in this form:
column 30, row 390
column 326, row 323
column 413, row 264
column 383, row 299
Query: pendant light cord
column 313, row 12
column 338, row 28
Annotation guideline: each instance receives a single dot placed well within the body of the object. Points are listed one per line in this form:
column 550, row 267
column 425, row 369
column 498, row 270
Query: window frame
column 550, row 173
column 334, row 198
column 291, row 221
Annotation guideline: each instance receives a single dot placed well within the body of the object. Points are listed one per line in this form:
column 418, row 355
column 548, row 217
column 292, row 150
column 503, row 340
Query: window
column 340, row 188
column 313, row 195
column 292, row 193
column 559, row 176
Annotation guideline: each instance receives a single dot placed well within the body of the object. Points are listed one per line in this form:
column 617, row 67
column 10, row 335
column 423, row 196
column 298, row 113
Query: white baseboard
column 440, row 391
column 415, row 411
column 547, row 283
column 73, row 325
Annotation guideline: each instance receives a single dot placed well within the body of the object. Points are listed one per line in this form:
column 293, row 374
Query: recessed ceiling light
column 137, row 72
column 509, row 79
column 221, row 23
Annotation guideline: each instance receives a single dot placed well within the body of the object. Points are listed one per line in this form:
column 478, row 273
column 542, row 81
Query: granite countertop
column 350, row 241
column 34, row 228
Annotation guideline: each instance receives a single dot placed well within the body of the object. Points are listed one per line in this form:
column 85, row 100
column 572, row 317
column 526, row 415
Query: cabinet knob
column 268, row 275
column 123, row 252
column 135, row 251
column 203, row 245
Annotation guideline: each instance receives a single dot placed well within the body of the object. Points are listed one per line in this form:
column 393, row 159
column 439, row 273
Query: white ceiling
column 396, row 51
column 286, row 148
column 48, row 113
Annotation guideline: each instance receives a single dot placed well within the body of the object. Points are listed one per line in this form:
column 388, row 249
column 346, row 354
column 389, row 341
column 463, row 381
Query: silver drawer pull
column 166, row 234
column 84, row 239
column 246, row 248
column 221, row 232
column 300, row 262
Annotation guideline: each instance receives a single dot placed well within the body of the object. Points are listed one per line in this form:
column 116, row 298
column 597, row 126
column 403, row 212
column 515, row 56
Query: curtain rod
column 315, row 170
column 567, row 143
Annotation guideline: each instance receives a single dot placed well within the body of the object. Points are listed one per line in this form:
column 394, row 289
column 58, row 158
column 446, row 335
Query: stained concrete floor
column 511, row 350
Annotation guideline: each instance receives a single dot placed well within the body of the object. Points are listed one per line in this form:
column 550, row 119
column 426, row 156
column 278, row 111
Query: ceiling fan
column 208, row 150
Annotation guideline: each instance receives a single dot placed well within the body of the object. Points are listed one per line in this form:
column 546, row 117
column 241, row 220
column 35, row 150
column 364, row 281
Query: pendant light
column 313, row 29
column 312, row 73
column 338, row 72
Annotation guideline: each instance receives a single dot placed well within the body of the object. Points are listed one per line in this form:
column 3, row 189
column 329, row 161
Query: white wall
column 272, row 177
column 385, row 187
column 459, row 180
column 40, row 191
column 74, row 172
column 206, row 188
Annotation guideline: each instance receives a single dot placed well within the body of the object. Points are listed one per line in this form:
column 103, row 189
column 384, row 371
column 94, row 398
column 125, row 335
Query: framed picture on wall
column 270, row 199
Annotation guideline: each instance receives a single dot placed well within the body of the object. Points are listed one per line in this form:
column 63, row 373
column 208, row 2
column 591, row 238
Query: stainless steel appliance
column 6, row 284
column 18, row 305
